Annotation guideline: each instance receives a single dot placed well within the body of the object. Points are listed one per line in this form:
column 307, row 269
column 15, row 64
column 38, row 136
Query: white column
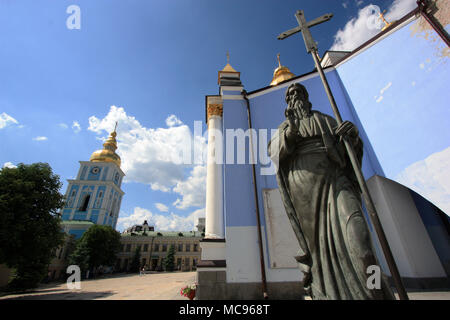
column 214, row 228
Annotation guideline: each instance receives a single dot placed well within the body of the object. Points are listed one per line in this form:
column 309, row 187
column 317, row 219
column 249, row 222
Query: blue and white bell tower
column 94, row 197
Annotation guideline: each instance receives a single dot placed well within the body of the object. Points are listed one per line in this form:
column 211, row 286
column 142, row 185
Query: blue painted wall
column 267, row 112
column 399, row 88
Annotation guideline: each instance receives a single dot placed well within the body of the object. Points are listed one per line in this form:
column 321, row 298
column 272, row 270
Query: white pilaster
column 214, row 179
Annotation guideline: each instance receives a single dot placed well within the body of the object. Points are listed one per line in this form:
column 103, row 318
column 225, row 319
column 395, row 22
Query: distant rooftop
column 69, row 222
column 164, row 234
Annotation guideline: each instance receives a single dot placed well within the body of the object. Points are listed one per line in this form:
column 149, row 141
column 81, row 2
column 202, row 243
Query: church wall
column 238, row 189
column 416, row 257
column 267, row 112
column 398, row 86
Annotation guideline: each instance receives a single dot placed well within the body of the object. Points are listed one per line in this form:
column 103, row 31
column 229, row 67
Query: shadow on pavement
column 73, row 295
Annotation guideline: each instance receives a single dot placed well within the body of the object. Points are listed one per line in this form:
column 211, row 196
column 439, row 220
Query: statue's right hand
column 291, row 131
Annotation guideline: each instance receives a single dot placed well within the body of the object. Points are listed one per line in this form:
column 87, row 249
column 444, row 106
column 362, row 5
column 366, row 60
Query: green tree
column 98, row 246
column 30, row 230
column 136, row 262
column 80, row 256
column 169, row 261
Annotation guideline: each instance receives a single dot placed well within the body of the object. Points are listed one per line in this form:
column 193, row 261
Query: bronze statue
column 323, row 201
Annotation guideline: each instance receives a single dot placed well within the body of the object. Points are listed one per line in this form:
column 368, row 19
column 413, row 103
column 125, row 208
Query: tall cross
column 311, row 47
column 115, row 127
column 303, row 27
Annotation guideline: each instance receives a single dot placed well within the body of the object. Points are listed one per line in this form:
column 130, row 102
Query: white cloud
column 172, row 121
column 76, row 127
column 40, row 138
column 400, row 8
column 6, row 119
column 430, row 178
column 345, row 5
column 9, row 165
column 193, row 190
column 379, row 99
column 359, row 2
column 162, row 207
column 154, row 156
column 63, row 125
column 367, row 24
column 171, row 222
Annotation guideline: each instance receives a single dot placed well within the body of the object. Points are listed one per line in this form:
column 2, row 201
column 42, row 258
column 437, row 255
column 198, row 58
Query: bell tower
column 94, row 197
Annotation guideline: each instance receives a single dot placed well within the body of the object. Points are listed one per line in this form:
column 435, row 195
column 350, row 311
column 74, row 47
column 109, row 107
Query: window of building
column 187, row 262
column 180, row 247
column 145, row 247
column 85, row 203
column 188, row 247
column 128, row 247
column 157, row 247
column 195, row 247
column 164, row 247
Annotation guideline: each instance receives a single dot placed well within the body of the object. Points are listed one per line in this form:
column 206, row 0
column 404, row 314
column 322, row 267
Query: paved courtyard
column 152, row 286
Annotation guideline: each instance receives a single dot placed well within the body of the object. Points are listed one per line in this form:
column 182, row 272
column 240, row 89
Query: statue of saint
column 323, row 202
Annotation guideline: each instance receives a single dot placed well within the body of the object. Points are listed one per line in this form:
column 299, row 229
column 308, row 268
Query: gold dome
column 108, row 153
column 281, row 73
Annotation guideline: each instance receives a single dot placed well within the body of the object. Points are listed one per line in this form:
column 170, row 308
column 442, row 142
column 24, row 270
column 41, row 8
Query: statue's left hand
column 347, row 130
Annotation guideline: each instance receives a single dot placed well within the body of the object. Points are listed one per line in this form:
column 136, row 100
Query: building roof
column 77, row 222
column 173, row 234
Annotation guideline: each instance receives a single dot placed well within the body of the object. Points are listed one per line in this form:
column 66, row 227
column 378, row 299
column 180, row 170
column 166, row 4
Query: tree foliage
column 98, row 246
column 30, row 229
column 136, row 262
column 169, row 261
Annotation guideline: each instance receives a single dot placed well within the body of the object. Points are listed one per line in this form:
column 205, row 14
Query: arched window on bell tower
column 85, row 203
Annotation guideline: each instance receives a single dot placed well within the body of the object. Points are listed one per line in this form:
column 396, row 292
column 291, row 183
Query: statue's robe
column 323, row 202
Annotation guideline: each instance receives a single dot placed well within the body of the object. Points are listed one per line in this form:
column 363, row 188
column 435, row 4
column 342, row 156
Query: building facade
column 249, row 243
column 94, row 197
column 154, row 246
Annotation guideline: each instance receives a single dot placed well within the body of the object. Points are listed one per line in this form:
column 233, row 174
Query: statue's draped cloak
column 322, row 200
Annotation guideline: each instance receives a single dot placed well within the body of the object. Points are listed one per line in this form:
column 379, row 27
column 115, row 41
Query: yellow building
column 154, row 247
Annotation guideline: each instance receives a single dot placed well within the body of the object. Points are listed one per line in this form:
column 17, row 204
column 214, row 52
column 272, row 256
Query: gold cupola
column 108, row 153
column 228, row 72
column 281, row 73
column 386, row 23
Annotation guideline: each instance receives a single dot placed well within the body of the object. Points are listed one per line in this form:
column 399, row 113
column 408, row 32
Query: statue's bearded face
column 297, row 100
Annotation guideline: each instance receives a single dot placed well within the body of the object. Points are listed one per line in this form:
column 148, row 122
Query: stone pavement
column 152, row 286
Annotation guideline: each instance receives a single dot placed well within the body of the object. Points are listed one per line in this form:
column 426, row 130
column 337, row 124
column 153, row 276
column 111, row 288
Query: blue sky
column 153, row 60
